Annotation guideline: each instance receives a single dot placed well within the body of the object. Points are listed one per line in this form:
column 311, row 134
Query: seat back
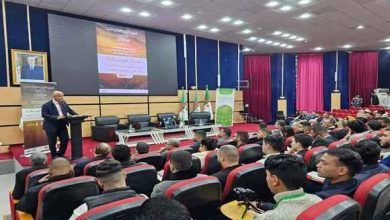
column 57, row 200
column 251, row 176
column 198, row 117
column 338, row 207
column 373, row 195
column 141, row 178
column 142, row 119
column 196, row 168
column 313, row 156
column 111, row 120
column 33, row 178
column 154, row 159
column 201, row 195
column 90, row 168
column 250, row 153
column 211, row 164
column 338, row 143
column 119, row 210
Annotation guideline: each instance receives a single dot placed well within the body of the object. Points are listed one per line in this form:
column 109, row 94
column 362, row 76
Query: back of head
column 318, row 129
column 228, row 153
column 385, row 120
column 38, row 158
column 369, row 151
column 163, row 208
column 290, row 169
column 209, row 143
column 262, row 126
column 102, row 149
column 243, row 136
column 287, row 131
column 142, row 148
column 60, row 166
column 227, row 131
column 201, row 134
column 348, row 158
column 173, row 142
column 121, row 153
column 281, row 123
column 109, row 172
column 357, row 126
column 374, row 125
column 304, row 139
column 181, row 160
column 275, row 141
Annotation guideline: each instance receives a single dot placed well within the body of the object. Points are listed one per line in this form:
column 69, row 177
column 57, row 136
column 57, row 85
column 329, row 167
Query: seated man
column 385, row 143
column 286, row 175
column 370, row 154
column 225, row 134
column 262, row 133
column 306, row 127
column 60, row 169
column 141, row 148
column 38, row 161
column 162, row 208
column 301, row 143
column 121, row 153
column 228, row 158
column 113, row 181
column 207, row 145
column 374, row 125
column 170, row 145
column 273, row 145
column 101, row 152
column 242, row 138
column 199, row 136
column 339, row 166
column 321, row 136
column 180, row 165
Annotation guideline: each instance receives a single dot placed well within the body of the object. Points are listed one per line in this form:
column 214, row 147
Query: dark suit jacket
column 324, row 141
column 50, row 114
column 20, row 182
column 224, row 173
column 79, row 167
column 35, row 74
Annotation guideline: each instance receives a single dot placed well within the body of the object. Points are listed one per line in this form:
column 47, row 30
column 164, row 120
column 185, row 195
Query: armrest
column 12, row 203
column 23, row 216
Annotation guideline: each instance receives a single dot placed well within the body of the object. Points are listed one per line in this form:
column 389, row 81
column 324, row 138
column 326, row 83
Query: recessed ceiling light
column 269, row 42
column 261, row 40
column 186, row 16
column 252, row 38
column 226, row 19
column 276, row 44
column 276, row 33
column 347, row 46
column 214, row 30
column 292, row 37
column 304, row 2
column 202, row 27
column 272, row 4
column 318, row 48
column 126, row 10
column 246, row 31
column 283, row 45
column 360, row 27
column 285, row 35
column 290, row 46
column 246, row 49
column 286, row 8
column 167, row 3
column 387, row 40
column 386, row 48
column 238, row 22
column 305, row 15
column 144, row 14
column 300, row 39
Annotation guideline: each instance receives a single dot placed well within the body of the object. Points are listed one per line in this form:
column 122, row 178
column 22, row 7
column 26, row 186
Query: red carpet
column 89, row 144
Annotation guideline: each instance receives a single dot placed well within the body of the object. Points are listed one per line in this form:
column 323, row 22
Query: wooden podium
column 76, row 134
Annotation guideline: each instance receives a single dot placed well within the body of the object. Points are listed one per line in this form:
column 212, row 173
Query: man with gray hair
column 180, row 165
column 38, row 161
column 228, row 158
column 171, row 144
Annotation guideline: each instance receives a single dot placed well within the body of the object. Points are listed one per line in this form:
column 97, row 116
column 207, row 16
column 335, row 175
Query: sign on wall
column 224, row 107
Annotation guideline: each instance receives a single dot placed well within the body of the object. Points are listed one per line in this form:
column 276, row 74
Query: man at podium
column 54, row 113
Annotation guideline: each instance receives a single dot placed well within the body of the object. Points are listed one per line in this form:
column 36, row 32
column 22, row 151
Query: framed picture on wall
column 29, row 66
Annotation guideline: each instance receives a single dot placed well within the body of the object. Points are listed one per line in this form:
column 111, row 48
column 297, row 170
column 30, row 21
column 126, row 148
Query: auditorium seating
column 201, row 195
column 90, row 168
column 197, row 118
column 338, row 207
column 211, row 164
column 373, row 195
column 154, row 159
column 250, row 153
column 358, row 137
column 338, row 143
column 33, row 178
column 141, row 178
column 251, row 176
column 196, row 168
column 313, row 156
column 287, row 142
column 124, row 209
column 104, row 128
column 140, row 122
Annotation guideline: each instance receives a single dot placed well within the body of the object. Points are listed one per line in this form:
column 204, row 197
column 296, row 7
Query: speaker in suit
column 54, row 112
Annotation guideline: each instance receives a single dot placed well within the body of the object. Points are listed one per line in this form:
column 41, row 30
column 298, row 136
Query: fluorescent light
column 276, row 44
column 318, row 48
column 360, row 27
column 126, row 10
column 304, row 2
column 144, row 14
column 238, row 22
column 346, row 46
column 276, row 33
column 300, row 39
column 214, row 30
column 386, row 48
column 252, row 38
column 167, row 3
column 246, row 31
column 246, row 49
column 261, row 40
column 285, row 35
column 186, row 16
column 283, row 45
column 286, row 8
column 202, row 27
column 290, row 46
column 272, row 4
column 305, row 15
column 226, row 19
column 292, row 37
column 387, row 40
column 269, row 42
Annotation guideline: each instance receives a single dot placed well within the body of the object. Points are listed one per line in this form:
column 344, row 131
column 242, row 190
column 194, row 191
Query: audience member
column 228, row 158
column 60, row 169
column 199, row 136
column 321, row 136
column 113, row 181
column 356, row 126
column 224, row 135
column 162, row 208
column 242, row 138
column 328, row 123
column 171, row 144
column 101, row 152
column 287, row 131
column 180, row 166
column 385, row 143
column 273, row 145
column 262, row 133
column 142, row 148
column 306, row 127
column 301, row 143
column 207, row 145
column 279, row 124
column 121, row 153
column 38, row 161
column 370, row 153
column 339, row 166
column 385, row 121
column 374, row 125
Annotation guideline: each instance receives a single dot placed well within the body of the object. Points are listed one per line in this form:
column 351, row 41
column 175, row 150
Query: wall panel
column 122, row 110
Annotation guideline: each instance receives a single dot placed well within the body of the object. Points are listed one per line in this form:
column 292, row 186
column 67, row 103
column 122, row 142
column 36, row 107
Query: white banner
column 224, row 107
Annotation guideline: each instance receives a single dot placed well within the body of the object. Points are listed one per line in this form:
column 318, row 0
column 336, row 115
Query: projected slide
column 122, row 60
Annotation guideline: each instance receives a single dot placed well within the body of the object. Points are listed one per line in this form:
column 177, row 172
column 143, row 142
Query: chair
column 196, row 168
column 119, row 210
column 154, row 159
column 104, row 128
column 313, row 156
column 373, row 195
column 250, row 153
column 251, row 176
column 141, row 178
column 211, row 164
column 338, row 143
column 140, row 122
column 201, row 195
column 287, row 142
column 338, row 207
column 33, row 178
column 198, row 118
column 90, row 168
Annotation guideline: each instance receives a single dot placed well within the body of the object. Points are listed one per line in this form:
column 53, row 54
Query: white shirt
column 83, row 208
column 58, row 107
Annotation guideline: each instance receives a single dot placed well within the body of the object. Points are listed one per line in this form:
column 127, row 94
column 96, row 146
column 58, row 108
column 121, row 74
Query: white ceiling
column 332, row 26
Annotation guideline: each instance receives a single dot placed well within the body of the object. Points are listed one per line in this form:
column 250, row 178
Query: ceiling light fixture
column 167, row 3
column 305, row 15
column 144, row 14
column 126, row 10
column 285, row 35
column 276, row 44
column 252, row 38
column 283, row 45
column 290, row 46
column 386, row 48
column 214, row 30
column 226, row 19
column 387, row 40
column 276, row 33
column 300, row 39
column 318, row 48
column 269, row 42
column 304, row 2
column 246, row 31
column 293, row 37
column 246, row 49
column 202, row 27
column 272, row 4
column 360, row 27
column 261, row 40
column 286, row 8
column 238, row 22
column 186, row 16
column 347, row 46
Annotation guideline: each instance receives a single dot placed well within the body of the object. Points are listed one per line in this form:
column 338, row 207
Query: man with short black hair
column 273, row 145
column 180, row 165
column 306, row 127
column 101, row 152
column 38, row 161
column 385, row 121
column 113, row 181
column 142, row 148
column 374, row 125
column 339, row 166
column 242, row 138
column 199, row 136
column 162, row 208
column 121, row 153
column 225, row 134
column 321, row 136
column 301, row 143
column 262, row 133
column 228, row 158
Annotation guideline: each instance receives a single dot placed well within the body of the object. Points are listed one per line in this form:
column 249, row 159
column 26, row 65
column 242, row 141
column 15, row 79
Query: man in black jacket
column 54, row 113
column 101, row 152
column 38, row 161
column 321, row 136
column 228, row 158
column 121, row 153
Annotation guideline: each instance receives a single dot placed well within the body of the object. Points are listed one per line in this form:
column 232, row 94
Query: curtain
column 257, row 70
column 363, row 75
column 310, row 96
